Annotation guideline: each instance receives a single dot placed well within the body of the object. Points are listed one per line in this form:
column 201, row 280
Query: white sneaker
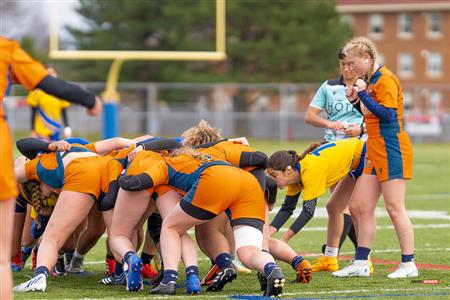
column 35, row 284
column 405, row 270
column 240, row 267
column 358, row 268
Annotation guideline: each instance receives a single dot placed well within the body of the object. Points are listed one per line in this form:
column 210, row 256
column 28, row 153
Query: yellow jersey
column 48, row 121
column 325, row 166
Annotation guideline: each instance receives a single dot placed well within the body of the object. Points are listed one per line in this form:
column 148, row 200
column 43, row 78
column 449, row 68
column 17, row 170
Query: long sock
column 347, row 227
column 127, row 256
column 191, row 270
column 169, row 276
column 118, row 269
column 331, row 251
column 146, row 258
column 27, row 250
column 223, row 261
column 362, row 253
column 269, row 267
column 407, row 257
column 296, row 261
column 352, row 236
column 41, row 270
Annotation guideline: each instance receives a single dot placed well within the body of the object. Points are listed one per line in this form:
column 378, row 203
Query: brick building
column 413, row 39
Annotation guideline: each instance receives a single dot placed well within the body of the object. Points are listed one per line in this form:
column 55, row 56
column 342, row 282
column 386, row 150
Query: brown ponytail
column 202, row 157
column 282, row 159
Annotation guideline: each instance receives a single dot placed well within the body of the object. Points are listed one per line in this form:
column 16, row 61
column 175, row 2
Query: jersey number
column 316, row 152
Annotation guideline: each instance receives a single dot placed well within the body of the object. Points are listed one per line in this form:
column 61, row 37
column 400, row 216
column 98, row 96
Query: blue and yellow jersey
column 385, row 88
column 16, row 66
column 331, row 97
column 326, row 166
column 48, row 121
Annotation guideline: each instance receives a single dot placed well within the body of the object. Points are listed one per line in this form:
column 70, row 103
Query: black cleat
column 275, row 283
column 114, row 280
column 223, row 277
column 59, row 267
column 164, row 289
column 262, row 281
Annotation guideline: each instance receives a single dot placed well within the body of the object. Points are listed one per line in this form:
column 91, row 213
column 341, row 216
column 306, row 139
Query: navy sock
column 27, row 250
column 269, row 267
column 169, row 276
column 362, row 253
column 41, row 270
column 118, row 269
column 191, row 270
column 127, row 256
column 407, row 257
column 223, row 261
column 296, row 261
column 146, row 258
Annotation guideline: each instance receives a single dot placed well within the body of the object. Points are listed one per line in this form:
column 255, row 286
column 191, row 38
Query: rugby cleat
column 275, row 283
column 36, row 284
column 164, row 289
column 405, row 270
column 222, row 278
column 193, row 286
column 134, row 279
column 325, row 263
column 209, row 277
column 304, row 272
column 358, row 268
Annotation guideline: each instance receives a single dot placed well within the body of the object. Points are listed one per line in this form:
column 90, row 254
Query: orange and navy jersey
column 385, row 88
column 229, row 151
column 180, row 172
column 16, row 66
column 389, row 149
column 49, row 168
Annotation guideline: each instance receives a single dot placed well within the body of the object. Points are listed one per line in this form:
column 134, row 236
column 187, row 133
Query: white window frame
column 429, row 24
column 375, row 20
column 402, row 23
column 405, row 65
column 434, row 58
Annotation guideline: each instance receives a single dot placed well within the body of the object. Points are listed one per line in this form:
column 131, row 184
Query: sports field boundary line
column 304, row 293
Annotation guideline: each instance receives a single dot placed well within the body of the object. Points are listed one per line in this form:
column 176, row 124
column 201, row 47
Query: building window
column 405, row 65
column 433, row 24
column 408, row 101
column 435, row 102
column 404, row 26
column 376, row 25
column 434, row 64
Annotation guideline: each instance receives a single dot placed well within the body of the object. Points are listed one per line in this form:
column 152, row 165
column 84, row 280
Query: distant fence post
column 152, row 122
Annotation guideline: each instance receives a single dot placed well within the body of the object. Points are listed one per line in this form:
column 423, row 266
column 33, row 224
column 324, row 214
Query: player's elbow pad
column 67, row 91
column 109, row 200
column 30, row 147
column 254, row 159
column 135, row 183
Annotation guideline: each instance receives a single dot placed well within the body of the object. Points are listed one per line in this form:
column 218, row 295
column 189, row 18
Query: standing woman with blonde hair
column 388, row 161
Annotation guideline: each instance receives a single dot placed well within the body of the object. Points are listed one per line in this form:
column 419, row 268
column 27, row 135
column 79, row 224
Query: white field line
column 302, row 293
column 316, row 254
column 321, row 213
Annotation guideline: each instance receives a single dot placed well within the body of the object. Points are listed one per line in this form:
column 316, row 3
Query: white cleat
column 35, row 284
column 405, row 270
column 358, row 268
